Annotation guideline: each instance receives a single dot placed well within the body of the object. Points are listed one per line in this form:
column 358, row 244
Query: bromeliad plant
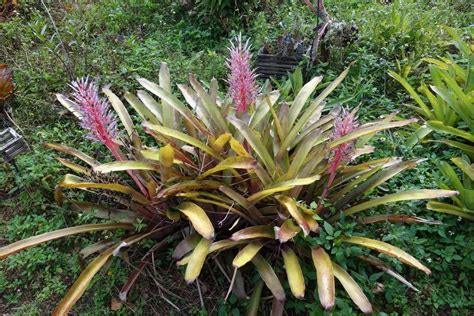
column 464, row 203
column 235, row 182
column 450, row 96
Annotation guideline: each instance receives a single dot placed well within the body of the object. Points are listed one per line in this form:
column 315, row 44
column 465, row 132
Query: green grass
column 114, row 41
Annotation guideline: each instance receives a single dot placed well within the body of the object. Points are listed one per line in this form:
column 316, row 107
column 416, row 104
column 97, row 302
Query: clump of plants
column 446, row 103
column 242, row 174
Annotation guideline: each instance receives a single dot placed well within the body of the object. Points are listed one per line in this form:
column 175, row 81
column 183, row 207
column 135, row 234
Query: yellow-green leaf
column 280, row 187
column 183, row 137
column 167, row 156
column 154, row 154
column 196, row 260
column 325, row 277
column 231, row 163
column 247, row 253
column 238, row 148
column 421, row 194
column 125, row 166
column 353, row 289
column 293, row 272
column 387, row 249
column 186, row 245
column 74, row 166
column 365, row 130
column 290, row 205
column 301, row 98
column 263, row 231
column 254, row 141
column 80, row 285
column 141, row 109
column 198, row 218
column 269, row 277
column 286, row 231
column 74, row 182
column 39, row 239
column 74, row 152
column 219, row 143
column 450, row 209
column 122, row 112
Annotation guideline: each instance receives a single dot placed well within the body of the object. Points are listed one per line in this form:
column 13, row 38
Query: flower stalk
column 242, row 78
column 99, row 121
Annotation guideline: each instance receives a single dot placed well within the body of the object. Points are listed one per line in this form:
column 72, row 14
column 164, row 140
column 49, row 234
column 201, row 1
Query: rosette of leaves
column 238, row 184
column 446, row 102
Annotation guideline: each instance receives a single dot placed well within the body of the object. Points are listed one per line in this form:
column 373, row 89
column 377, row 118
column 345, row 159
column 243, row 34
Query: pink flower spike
column 242, row 84
column 343, row 125
column 96, row 117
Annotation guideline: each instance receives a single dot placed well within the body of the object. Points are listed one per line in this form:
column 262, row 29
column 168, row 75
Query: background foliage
column 114, row 41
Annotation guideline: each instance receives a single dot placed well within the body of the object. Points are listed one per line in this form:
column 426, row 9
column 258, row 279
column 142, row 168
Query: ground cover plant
column 136, row 37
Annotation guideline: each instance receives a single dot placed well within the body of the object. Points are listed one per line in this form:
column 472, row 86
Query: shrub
column 258, row 182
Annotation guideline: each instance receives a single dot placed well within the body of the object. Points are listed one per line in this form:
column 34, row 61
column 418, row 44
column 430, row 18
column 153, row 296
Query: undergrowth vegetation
column 50, row 43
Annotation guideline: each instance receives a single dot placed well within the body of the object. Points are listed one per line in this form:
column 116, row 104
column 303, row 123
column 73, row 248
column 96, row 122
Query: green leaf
column 308, row 113
column 450, row 209
column 467, row 168
column 301, row 98
column 141, row 109
column 211, row 107
column 413, row 94
column 365, row 130
column 173, row 102
column 440, row 127
column 254, row 303
column 165, row 84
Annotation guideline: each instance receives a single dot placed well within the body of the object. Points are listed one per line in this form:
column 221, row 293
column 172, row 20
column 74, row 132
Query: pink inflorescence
column 96, row 116
column 343, row 125
column 242, row 85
